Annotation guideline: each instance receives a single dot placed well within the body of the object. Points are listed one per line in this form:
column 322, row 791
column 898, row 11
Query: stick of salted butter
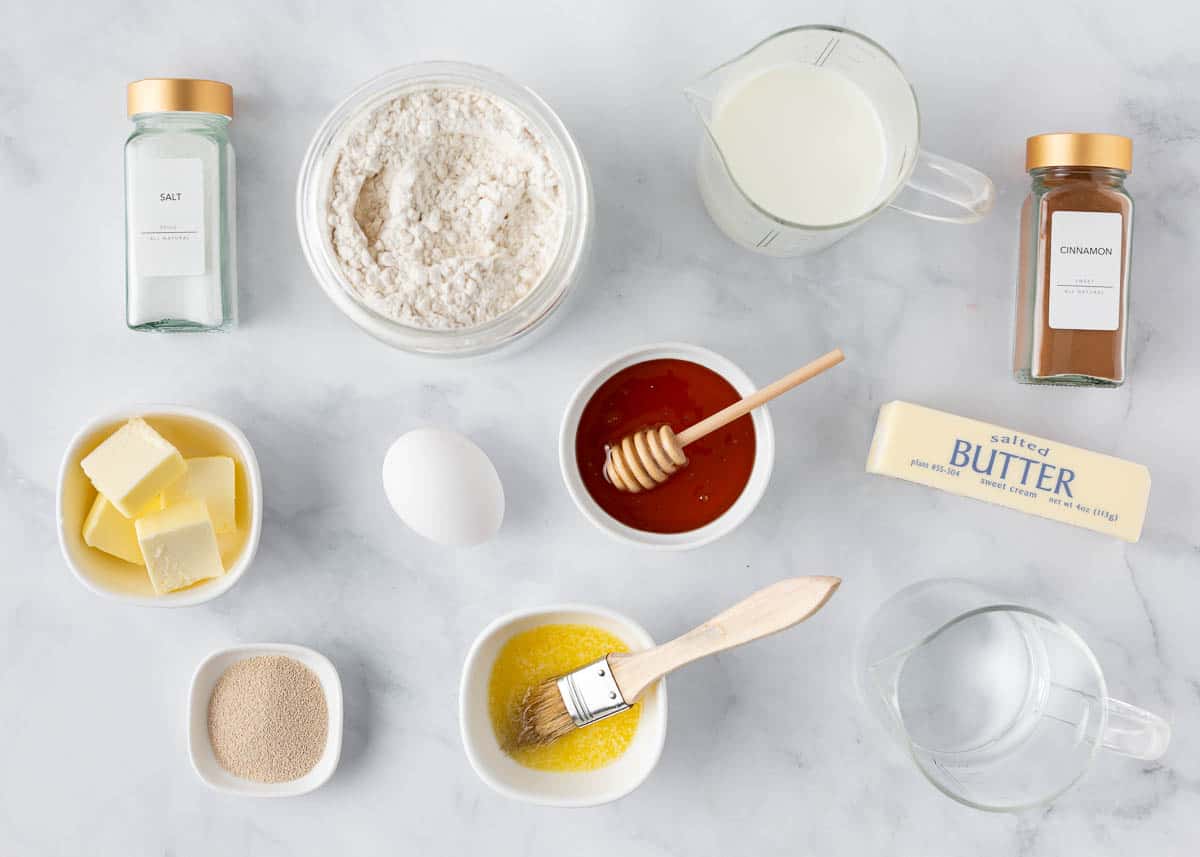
column 1032, row 474
column 179, row 546
column 132, row 466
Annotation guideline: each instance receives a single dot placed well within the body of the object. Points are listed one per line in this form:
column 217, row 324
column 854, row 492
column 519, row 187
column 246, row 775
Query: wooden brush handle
column 766, row 394
column 775, row 608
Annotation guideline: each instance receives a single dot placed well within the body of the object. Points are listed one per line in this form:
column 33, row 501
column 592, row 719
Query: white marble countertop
column 92, row 693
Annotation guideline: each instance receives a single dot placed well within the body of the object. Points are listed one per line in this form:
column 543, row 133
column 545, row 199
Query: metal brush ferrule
column 591, row 693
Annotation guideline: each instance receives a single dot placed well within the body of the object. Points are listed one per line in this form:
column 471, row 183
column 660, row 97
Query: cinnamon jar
column 1073, row 283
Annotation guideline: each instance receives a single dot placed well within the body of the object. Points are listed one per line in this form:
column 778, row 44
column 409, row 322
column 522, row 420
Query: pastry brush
column 612, row 684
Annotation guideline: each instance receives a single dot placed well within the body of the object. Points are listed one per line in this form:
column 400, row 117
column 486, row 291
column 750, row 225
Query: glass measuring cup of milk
column 1002, row 707
column 810, row 134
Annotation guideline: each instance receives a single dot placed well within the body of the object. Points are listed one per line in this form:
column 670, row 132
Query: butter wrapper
column 1009, row 468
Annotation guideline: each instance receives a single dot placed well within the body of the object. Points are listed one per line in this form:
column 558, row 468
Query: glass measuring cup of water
column 810, row 134
column 1002, row 707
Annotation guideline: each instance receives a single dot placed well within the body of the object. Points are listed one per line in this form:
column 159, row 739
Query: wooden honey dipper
column 645, row 459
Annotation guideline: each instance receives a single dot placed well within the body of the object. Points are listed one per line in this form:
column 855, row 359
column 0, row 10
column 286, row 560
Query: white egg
column 444, row 487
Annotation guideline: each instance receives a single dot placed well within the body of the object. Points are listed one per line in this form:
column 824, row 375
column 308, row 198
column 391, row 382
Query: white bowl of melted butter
column 194, row 433
column 569, row 788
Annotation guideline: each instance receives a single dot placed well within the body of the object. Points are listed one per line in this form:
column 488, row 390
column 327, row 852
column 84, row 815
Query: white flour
column 445, row 209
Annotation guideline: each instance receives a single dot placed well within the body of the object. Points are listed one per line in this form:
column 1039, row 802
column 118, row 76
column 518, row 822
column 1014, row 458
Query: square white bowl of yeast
column 200, row 747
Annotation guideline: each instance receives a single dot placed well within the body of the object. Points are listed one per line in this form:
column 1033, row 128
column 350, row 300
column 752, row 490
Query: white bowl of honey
column 675, row 384
column 593, row 765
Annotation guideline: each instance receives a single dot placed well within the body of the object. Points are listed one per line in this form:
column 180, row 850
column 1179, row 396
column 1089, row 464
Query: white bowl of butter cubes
column 159, row 505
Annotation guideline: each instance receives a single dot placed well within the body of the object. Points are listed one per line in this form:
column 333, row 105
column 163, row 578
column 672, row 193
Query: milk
column 804, row 142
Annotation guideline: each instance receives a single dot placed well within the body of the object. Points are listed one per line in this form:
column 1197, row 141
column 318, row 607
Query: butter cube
column 179, row 546
column 133, row 465
column 209, row 479
column 108, row 530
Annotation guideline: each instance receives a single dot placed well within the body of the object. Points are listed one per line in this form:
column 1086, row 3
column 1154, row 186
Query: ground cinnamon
column 1072, row 295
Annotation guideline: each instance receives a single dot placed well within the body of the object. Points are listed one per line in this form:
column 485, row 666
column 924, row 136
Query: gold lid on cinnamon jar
column 1069, row 149
column 179, row 95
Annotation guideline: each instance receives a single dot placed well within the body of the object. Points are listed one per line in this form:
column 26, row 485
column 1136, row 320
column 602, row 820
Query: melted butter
column 545, row 652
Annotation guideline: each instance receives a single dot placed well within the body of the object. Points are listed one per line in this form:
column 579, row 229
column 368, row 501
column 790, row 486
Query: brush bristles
column 543, row 716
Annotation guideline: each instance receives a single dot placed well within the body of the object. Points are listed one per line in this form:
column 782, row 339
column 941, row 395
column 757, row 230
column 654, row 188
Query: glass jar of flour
column 180, row 265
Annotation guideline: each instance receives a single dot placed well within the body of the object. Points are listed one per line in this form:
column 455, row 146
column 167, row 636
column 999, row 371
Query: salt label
column 168, row 217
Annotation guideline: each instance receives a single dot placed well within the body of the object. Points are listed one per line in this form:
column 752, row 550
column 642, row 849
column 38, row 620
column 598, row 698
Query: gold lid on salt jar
column 179, row 95
column 1071, row 149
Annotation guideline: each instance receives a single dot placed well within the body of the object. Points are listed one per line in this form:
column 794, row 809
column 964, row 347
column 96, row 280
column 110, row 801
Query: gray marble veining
column 92, row 694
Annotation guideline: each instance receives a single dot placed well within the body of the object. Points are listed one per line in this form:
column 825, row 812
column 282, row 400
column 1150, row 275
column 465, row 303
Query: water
column 973, row 688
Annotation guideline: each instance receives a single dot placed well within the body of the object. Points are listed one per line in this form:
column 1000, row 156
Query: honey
column 678, row 393
column 542, row 653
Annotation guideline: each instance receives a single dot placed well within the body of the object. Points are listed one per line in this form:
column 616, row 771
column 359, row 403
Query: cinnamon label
column 1085, row 270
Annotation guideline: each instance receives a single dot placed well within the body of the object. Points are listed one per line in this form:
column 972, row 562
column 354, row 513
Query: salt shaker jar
column 1073, row 284
column 180, row 265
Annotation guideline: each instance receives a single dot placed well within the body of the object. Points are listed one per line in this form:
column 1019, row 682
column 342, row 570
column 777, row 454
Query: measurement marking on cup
column 825, row 51
column 828, row 51
column 766, row 240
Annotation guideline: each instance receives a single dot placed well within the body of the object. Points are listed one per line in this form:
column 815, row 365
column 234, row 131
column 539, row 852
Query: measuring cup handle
column 942, row 189
column 1132, row 731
